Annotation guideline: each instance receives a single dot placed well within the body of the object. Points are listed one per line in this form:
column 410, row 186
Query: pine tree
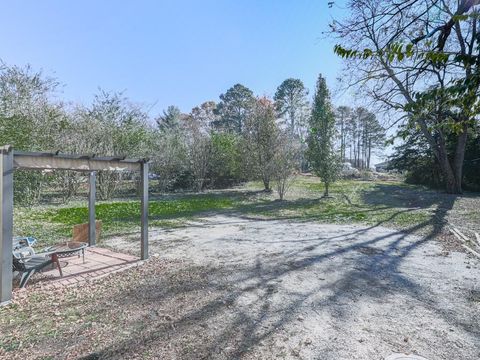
column 344, row 114
column 234, row 108
column 170, row 118
column 321, row 153
column 291, row 103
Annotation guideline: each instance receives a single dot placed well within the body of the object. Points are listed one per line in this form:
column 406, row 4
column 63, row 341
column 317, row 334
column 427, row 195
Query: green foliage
column 291, row 102
column 388, row 203
column 110, row 126
column 226, row 162
column 28, row 186
column 29, row 122
column 361, row 132
column 321, row 153
column 170, row 119
column 416, row 160
column 261, row 135
column 234, row 108
column 428, row 69
column 170, row 160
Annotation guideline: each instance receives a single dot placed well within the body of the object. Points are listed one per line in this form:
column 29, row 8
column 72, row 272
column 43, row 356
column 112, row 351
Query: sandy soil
column 290, row 290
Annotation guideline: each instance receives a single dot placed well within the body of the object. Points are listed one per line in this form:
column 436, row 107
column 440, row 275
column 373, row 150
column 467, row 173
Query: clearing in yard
column 254, row 278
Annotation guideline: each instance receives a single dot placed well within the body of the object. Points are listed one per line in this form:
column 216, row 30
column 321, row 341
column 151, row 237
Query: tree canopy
column 291, row 102
column 420, row 57
column 234, row 107
column 321, row 153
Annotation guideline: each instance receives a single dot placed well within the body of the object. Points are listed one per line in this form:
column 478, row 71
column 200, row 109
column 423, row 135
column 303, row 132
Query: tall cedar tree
column 321, row 153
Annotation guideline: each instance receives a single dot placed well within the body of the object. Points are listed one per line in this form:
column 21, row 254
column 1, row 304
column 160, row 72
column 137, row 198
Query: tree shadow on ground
column 401, row 196
column 238, row 326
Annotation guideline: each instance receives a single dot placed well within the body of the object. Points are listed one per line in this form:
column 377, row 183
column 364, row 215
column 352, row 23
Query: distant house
column 382, row 167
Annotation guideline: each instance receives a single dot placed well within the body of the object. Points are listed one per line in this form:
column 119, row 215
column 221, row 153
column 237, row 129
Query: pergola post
column 92, row 228
column 10, row 160
column 6, row 223
column 144, row 210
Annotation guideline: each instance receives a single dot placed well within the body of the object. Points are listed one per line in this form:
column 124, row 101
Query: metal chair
column 26, row 262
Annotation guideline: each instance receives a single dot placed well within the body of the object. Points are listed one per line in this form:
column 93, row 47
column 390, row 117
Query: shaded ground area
column 240, row 275
column 228, row 287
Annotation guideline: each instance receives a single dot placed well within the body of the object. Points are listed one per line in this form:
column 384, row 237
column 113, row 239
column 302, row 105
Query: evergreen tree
column 321, row 153
column 363, row 135
column 234, row 108
column 291, row 103
column 170, row 118
column 344, row 114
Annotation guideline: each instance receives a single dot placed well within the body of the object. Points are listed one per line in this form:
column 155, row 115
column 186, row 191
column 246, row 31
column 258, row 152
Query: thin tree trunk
column 369, row 153
column 266, row 184
column 342, row 139
column 359, row 165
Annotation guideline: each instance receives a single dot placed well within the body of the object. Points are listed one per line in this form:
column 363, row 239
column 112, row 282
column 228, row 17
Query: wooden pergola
column 11, row 160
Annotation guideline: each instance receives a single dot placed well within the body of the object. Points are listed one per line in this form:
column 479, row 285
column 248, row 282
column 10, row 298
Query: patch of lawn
column 391, row 204
column 127, row 211
column 50, row 224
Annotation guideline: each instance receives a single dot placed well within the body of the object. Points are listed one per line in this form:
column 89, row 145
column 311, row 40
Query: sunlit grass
column 50, row 224
column 368, row 202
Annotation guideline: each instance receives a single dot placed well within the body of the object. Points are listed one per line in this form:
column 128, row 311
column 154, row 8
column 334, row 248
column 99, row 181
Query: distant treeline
column 218, row 144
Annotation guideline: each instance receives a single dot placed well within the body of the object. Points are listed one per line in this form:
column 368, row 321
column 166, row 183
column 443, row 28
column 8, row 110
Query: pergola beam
column 54, row 161
column 10, row 160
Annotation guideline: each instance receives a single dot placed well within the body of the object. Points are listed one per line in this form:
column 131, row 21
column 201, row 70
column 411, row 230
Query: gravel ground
column 272, row 289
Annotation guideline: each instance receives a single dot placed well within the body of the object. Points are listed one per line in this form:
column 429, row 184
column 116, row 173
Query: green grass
column 371, row 203
column 50, row 224
column 392, row 204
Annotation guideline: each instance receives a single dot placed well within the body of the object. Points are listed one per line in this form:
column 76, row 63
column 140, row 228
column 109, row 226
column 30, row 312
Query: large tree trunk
column 459, row 158
column 451, row 185
column 453, row 171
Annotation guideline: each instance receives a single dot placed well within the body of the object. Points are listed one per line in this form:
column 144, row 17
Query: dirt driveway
column 291, row 290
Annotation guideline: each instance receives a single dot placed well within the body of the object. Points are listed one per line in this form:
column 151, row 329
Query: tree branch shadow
column 372, row 274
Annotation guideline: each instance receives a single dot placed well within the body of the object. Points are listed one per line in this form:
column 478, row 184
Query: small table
column 70, row 248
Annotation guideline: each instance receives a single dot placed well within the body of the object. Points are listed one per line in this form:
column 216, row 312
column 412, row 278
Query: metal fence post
column 6, row 223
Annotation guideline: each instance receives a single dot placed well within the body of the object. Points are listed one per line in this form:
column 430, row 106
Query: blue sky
column 169, row 52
